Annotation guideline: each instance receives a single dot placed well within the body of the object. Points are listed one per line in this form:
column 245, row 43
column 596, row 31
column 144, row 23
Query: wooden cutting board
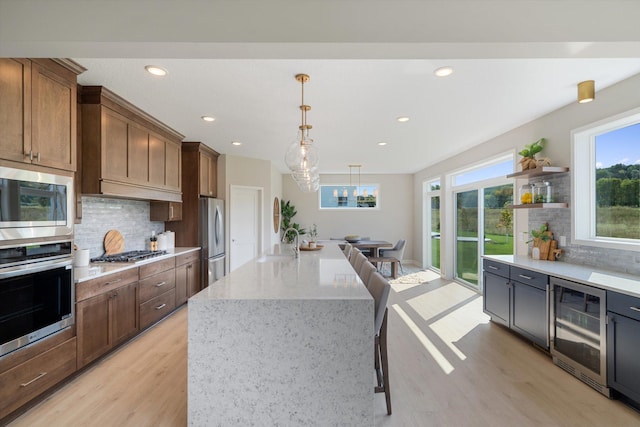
column 113, row 242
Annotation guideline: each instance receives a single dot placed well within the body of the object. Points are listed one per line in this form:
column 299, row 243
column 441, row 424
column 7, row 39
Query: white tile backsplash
column 101, row 214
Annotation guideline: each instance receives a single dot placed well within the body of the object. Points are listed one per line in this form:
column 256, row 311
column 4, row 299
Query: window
column 607, row 183
column 337, row 196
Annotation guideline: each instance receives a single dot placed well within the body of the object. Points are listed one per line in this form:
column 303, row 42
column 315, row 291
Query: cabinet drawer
column 495, row 267
column 533, row 278
column 156, row 267
column 31, row 378
column 625, row 305
column 156, row 308
column 157, row 284
column 97, row 286
column 187, row 258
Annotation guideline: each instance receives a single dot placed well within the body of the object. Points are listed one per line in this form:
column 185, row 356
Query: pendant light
column 357, row 189
column 302, row 155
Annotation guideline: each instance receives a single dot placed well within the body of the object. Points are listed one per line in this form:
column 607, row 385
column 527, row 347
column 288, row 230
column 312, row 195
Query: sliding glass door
column 467, row 236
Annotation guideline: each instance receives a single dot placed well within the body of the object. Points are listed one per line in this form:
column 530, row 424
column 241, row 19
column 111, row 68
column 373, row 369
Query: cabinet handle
column 42, row 374
column 492, row 267
column 161, row 306
column 634, row 308
column 160, row 284
column 112, row 282
column 525, row 277
column 31, row 155
column 38, row 156
column 171, row 211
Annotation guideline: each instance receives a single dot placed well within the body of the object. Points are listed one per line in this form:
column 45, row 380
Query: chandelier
column 302, row 155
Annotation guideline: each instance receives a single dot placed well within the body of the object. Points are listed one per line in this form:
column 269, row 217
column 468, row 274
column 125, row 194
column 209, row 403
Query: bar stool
column 360, row 259
column 379, row 289
column 347, row 250
column 353, row 256
column 366, row 269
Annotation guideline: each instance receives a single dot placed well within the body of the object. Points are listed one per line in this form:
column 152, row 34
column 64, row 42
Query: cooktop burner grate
column 130, row 256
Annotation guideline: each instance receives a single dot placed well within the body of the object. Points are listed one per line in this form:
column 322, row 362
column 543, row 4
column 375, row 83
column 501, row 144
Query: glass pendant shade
column 302, row 155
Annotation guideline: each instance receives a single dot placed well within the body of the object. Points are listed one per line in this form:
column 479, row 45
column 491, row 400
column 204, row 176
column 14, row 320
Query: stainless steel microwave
column 34, row 205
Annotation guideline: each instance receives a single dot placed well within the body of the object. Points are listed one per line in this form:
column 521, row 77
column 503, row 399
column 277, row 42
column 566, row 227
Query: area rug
column 409, row 280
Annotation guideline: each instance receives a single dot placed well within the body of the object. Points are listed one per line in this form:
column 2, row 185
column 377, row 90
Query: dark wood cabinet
column 165, row 211
column 106, row 313
column 157, row 291
column 187, row 276
column 38, row 112
column 33, row 377
column 199, row 175
column 518, row 299
column 623, row 345
column 125, row 152
column 208, row 182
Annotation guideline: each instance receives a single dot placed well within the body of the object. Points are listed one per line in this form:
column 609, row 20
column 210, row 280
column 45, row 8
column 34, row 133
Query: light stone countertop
column 276, row 274
column 98, row 269
column 283, row 341
column 603, row 279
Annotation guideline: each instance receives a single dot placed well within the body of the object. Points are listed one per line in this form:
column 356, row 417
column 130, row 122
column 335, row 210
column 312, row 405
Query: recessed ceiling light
column 403, row 119
column 236, row 143
column 382, row 143
column 443, row 71
column 208, row 118
column 155, row 70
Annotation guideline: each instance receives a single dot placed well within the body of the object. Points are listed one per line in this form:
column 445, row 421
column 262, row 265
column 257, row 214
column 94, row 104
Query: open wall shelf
column 539, row 171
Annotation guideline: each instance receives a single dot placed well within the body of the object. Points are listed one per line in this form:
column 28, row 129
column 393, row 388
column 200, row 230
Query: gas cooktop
column 130, row 256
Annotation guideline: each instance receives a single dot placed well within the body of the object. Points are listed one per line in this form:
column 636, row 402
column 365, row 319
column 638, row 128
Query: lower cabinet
column 187, row 276
column 623, row 344
column 31, row 378
column 106, row 320
column 157, row 291
column 518, row 299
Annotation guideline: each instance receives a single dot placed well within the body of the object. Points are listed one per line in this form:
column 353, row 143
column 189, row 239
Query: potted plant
column 287, row 212
column 313, row 236
column 529, row 152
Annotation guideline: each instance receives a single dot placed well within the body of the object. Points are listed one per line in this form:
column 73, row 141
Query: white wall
column 555, row 127
column 392, row 221
column 250, row 172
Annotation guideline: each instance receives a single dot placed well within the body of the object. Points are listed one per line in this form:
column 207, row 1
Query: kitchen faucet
column 295, row 249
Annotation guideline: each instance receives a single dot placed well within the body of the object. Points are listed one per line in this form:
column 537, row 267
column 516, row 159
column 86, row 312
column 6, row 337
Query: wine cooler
column 578, row 331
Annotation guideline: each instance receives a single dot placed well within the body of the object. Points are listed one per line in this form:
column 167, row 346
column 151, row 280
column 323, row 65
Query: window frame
column 583, row 186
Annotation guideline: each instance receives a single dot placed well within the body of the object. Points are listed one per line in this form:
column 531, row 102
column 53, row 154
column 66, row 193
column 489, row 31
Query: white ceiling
column 369, row 63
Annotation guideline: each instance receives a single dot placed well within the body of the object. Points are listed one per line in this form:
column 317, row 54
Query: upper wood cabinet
column 126, row 152
column 38, row 111
column 208, row 182
column 199, row 178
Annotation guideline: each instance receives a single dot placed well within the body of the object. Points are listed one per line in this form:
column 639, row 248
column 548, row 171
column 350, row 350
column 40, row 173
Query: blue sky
column 619, row 146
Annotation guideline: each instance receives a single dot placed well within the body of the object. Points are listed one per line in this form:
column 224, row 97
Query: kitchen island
column 283, row 341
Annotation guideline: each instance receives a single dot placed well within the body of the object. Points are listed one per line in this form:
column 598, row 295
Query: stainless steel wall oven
column 37, row 293
column 578, row 331
column 35, row 205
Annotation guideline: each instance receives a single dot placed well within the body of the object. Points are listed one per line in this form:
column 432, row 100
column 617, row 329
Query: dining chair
column 347, row 250
column 379, row 288
column 395, row 252
column 366, row 269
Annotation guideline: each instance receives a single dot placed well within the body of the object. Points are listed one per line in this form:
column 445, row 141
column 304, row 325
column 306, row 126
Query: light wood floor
column 449, row 367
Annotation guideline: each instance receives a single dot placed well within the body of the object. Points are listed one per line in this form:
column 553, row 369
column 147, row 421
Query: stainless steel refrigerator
column 212, row 239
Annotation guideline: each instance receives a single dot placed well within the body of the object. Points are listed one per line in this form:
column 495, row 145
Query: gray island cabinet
column 283, row 341
column 518, row 299
column 623, row 344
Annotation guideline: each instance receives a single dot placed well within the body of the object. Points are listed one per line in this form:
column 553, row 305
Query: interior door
column 245, row 225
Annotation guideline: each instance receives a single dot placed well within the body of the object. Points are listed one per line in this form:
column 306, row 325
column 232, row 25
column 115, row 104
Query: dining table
column 373, row 245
